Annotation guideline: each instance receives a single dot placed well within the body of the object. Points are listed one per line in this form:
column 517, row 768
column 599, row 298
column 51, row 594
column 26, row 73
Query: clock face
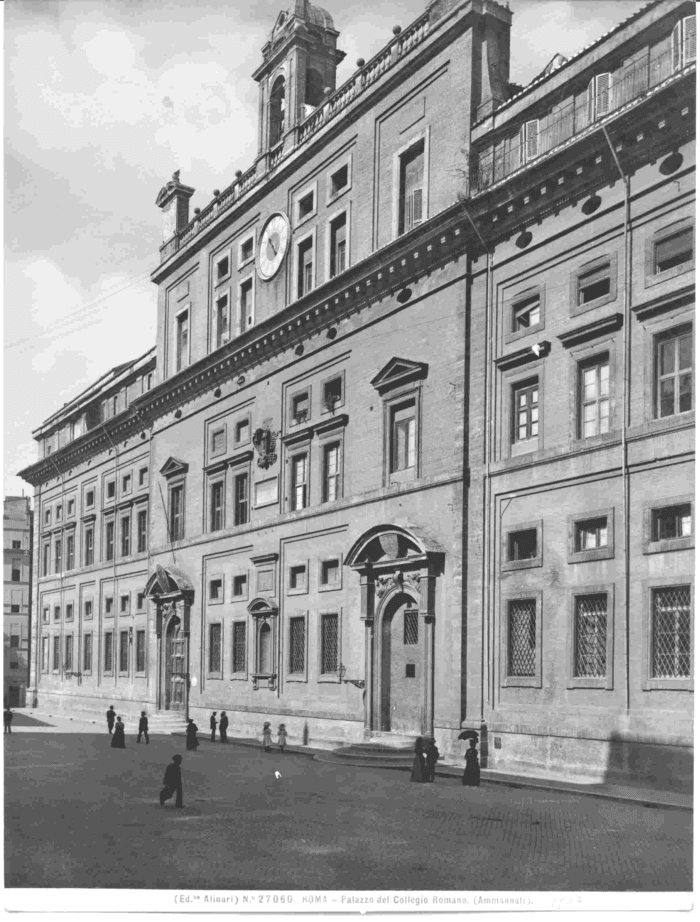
column 274, row 241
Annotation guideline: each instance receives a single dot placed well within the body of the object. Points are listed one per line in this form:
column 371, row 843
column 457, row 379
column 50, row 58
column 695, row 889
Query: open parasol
column 469, row 735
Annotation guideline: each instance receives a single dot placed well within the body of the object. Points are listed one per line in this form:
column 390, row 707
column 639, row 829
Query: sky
column 104, row 99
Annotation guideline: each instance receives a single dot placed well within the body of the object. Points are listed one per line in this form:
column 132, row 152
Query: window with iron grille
column 329, row 644
column 241, row 496
column 87, row 653
column 592, row 534
column 526, row 411
column 331, row 472
column 590, row 636
column 68, row 664
column 140, row 651
column 411, row 193
column 522, row 545
column 239, row 640
column 126, row 536
column 526, row 313
column 142, row 531
column 522, row 637
column 216, row 506
column 674, row 373
column 56, row 665
column 299, row 491
column 672, row 522
column 297, row 645
column 595, row 398
column 214, row 648
column 123, row 651
column 410, row 626
column 671, row 642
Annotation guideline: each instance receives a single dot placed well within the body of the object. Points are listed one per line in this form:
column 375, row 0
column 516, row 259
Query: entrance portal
column 401, row 667
column 175, row 678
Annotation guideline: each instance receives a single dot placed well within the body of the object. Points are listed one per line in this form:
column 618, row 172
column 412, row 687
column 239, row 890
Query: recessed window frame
column 108, row 646
column 240, row 675
column 87, row 653
column 532, row 441
column 222, row 327
column 237, row 575
column 330, row 587
column 331, row 196
column 518, row 300
column 321, row 676
column 173, row 486
column 213, row 432
column 70, row 611
column 649, row 587
column 650, row 509
column 142, row 531
column 247, row 420
column 298, row 578
column 143, row 478
column 70, row 508
column 303, row 676
column 581, row 592
column 109, row 606
column 125, row 535
column 182, row 357
column 248, row 237
column 400, row 156
column 303, row 240
column 127, row 482
column 591, row 269
column 125, row 603
column 140, row 641
column 300, row 196
column 219, row 277
column 293, row 397
column 513, row 528
column 214, row 671
column 598, row 553
column 294, row 455
column 520, row 595
column 216, row 502
column 87, row 609
column 660, row 235
column 668, row 335
column 45, row 654
column 124, row 653
column 326, row 410
column 90, row 497
column 216, row 583
column 70, row 549
column 88, row 544
column 331, row 270
column 245, row 323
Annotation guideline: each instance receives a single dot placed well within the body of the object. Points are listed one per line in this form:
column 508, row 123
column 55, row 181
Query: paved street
column 80, row 814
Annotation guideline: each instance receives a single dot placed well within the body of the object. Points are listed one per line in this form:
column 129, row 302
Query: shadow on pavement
column 665, row 768
column 24, row 720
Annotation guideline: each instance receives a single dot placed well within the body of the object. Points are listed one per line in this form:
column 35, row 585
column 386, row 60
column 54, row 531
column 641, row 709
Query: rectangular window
column 87, row 609
column 126, row 536
column 140, row 651
column 126, row 483
column 329, row 644
column 403, row 436
column 59, row 513
column 522, row 638
column 17, row 571
column 526, row 412
column 222, row 268
column 44, row 654
column 182, row 340
column 70, row 552
column 71, row 507
column 140, row 600
column 297, row 577
column 592, row 534
column 177, row 516
column 56, row 664
column 242, row 431
column 45, row 615
column 332, row 393
column 111, row 490
column 123, row 651
column 245, row 305
column 142, row 531
column 526, row 313
column 90, row 499
column 124, row 604
column 673, row 251
column 339, row 180
column 672, row 522
column 590, row 636
column 305, row 206
column 14, row 641
column 674, row 373
column 305, row 270
column 218, row 441
column 222, row 320
column 109, row 541
column 216, row 590
column 89, row 546
column 300, row 475
column 247, row 250
column 108, row 652
column 300, row 408
column 338, row 245
column 143, row 476
column 214, row 648
column 239, row 640
column 68, row 662
column 57, row 559
column 411, row 193
column 47, row 516
column 331, row 472
column 410, row 626
column 330, row 572
column 109, row 605
column 529, row 141
column 595, row 398
column 522, row 545
column 14, row 609
column 594, row 284
column 671, row 647
column 57, row 613
column 87, row 653
column 69, row 611
column 216, row 506
column 684, row 42
column 46, row 555
column 297, row 645
column 16, row 545
column 241, row 499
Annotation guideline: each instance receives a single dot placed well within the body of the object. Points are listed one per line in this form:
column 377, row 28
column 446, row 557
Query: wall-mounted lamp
column 358, row 683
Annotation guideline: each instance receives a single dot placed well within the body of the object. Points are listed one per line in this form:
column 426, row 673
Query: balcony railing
column 539, row 137
column 330, row 108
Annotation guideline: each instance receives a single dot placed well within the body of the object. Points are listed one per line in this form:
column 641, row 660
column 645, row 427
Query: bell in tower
column 299, row 64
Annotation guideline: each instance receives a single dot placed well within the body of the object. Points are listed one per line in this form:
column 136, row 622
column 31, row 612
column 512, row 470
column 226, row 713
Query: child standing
column 281, row 737
column 267, row 736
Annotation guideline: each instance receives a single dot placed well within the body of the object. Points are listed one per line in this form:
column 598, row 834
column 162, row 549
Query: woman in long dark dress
column 192, row 728
column 118, row 741
column 472, row 771
column 419, row 772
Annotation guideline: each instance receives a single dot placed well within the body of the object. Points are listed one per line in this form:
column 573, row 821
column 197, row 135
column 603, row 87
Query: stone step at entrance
column 382, row 750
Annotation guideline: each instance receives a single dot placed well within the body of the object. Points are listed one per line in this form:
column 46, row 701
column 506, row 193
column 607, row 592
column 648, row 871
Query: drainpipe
column 61, row 663
column 115, row 634
column 624, row 461
column 142, row 419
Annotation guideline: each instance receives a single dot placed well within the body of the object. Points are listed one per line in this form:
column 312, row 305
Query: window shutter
column 408, row 215
column 522, row 145
column 417, row 196
column 689, row 39
column 532, row 131
column 602, row 95
column 591, row 101
column 676, row 46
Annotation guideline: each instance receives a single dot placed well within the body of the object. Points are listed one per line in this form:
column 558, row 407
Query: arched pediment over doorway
column 169, row 582
column 263, row 608
column 384, row 544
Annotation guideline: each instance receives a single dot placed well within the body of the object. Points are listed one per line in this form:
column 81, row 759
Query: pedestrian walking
column 267, row 736
column 111, row 715
column 143, row 727
column 191, row 733
column 223, row 727
column 281, row 737
column 7, row 720
column 432, row 754
column 118, row 739
column 472, row 771
column 212, row 726
column 419, row 771
column 172, row 782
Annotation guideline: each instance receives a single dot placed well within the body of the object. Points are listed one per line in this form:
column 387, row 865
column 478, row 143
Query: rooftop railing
column 539, row 137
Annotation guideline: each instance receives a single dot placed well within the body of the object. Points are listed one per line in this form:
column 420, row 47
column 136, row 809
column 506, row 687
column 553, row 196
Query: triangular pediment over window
column 398, row 372
column 174, row 466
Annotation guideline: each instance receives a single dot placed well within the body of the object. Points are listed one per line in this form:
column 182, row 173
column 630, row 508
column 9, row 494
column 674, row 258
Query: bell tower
column 299, row 63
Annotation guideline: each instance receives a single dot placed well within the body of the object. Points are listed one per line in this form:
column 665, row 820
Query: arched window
column 314, row 88
column 277, row 107
column 265, row 650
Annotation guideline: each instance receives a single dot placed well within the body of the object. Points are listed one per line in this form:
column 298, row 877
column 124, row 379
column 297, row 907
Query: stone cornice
column 591, row 330
column 666, row 302
column 522, row 356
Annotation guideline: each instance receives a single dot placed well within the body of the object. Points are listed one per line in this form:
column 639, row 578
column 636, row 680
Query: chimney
column 494, row 73
column 174, row 201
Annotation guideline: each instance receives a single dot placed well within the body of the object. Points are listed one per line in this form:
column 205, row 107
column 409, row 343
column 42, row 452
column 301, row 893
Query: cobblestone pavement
column 80, row 814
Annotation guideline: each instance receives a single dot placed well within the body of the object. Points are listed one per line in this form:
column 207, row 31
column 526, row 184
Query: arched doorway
column 175, row 673
column 401, row 686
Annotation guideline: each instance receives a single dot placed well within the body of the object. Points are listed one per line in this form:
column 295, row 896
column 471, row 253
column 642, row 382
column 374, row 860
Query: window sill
column 214, row 676
column 123, row 675
column 527, row 446
column 668, row 685
column 577, row 309
column 660, row 277
column 597, row 553
column 245, row 263
column 516, row 335
column 521, row 682
column 604, row 683
column 215, row 601
column 403, row 476
column 223, row 279
column 332, row 199
column 329, row 678
column 297, row 677
column 304, row 591
column 239, row 677
column 594, row 441
column 670, row 544
column 509, row 565
column 300, row 222
column 334, row 588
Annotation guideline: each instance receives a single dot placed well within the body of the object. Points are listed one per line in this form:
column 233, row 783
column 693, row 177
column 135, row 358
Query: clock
column 272, row 248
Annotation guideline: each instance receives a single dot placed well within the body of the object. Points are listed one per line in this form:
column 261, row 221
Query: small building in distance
column 17, row 612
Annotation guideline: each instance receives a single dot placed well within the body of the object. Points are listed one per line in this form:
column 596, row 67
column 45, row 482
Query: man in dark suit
column 223, row 727
column 143, row 727
column 212, row 726
column 111, row 717
column 172, row 782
